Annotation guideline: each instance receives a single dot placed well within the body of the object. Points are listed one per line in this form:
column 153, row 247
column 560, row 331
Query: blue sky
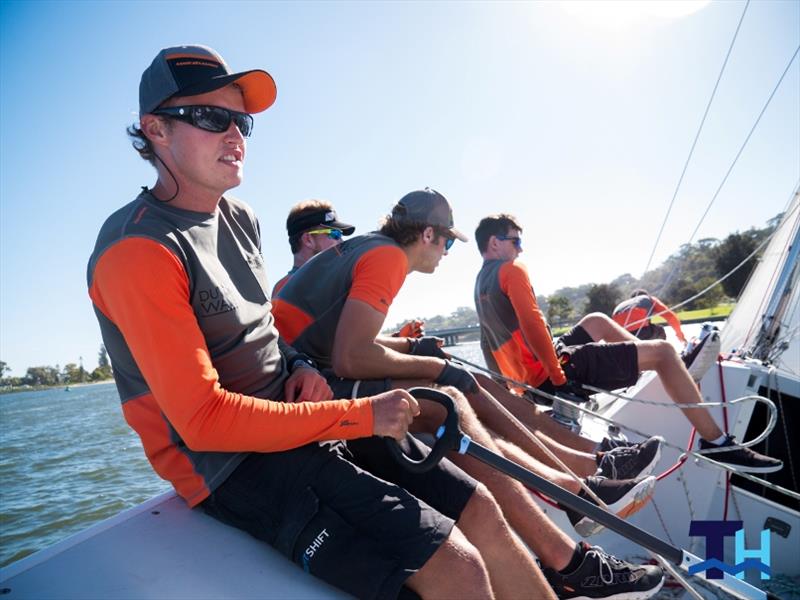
column 576, row 117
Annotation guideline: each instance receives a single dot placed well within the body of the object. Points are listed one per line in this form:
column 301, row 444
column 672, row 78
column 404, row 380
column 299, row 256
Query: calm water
column 69, row 459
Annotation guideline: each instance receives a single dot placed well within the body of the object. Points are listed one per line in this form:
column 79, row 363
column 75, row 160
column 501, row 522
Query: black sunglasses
column 209, row 118
column 517, row 241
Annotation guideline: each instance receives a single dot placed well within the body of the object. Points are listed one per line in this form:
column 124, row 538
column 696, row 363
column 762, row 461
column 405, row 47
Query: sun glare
column 620, row 14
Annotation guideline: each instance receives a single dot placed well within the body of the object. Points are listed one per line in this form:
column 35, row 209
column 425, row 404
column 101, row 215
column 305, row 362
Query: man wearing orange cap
column 231, row 415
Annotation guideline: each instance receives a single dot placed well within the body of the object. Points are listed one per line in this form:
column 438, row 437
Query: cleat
column 623, row 498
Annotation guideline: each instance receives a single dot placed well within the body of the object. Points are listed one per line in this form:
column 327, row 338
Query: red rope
column 725, row 421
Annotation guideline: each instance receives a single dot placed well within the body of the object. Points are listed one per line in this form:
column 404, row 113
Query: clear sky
column 576, row 117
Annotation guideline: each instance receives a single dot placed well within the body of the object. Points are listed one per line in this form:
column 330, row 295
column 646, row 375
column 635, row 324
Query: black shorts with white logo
column 354, row 529
column 608, row 366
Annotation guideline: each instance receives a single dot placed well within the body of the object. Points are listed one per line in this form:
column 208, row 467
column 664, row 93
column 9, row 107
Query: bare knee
column 597, row 325
column 482, row 518
column 456, row 570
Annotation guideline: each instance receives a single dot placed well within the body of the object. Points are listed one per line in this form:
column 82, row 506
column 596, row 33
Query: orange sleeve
column 516, row 284
column 670, row 317
column 143, row 289
column 378, row 276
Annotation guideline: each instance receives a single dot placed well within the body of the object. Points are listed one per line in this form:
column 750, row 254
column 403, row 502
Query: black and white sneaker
column 601, row 575
column 743, row 459
column 702, row 351
column 623, row 498
column 611, row 443
column 631, row 462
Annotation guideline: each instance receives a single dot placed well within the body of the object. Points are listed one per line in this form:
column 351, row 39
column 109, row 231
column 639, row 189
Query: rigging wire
column 678, row 266
column 696, row 137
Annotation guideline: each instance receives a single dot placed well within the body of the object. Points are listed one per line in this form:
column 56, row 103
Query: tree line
column 71, row 373
column 684, row 274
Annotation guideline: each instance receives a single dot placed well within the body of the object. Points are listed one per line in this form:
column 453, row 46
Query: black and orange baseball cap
column 427, row 206
column 191, row 70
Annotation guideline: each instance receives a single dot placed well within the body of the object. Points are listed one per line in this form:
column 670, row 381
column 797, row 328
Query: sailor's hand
column 392, row 413
column 412, row 329
column 571, row 388
column 426, row 346
column 459, row 377
column 305, row 384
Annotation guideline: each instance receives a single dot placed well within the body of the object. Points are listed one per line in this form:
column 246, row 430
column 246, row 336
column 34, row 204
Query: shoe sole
column 633, row 595
column 706, row 356
column 632, row 502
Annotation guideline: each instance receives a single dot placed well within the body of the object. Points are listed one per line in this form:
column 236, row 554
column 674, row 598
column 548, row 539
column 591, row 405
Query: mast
column 767, row 345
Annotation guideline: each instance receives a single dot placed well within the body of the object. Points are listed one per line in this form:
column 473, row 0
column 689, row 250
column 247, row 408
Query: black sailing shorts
column 340, row 523
column 607, row 366
column 651, row 331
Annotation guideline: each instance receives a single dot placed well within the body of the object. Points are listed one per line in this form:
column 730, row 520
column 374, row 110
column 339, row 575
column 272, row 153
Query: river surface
column 69, row 459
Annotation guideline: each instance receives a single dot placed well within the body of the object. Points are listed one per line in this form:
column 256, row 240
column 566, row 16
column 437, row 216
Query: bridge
column 452, row 334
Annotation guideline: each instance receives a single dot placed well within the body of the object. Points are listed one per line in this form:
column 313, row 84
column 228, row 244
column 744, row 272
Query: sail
column 766, row 320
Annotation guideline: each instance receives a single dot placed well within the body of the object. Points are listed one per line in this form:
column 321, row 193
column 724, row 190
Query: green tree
column 102, row 357
column 41, row 376
column 732, row 251
column 559, row 309
column 602, row 297
column 71, row 373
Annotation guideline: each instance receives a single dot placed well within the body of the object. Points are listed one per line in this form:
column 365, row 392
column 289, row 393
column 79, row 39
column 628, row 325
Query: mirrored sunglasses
column 517, row 241
column 209, row 118
column 448, row 243
column 334, row 234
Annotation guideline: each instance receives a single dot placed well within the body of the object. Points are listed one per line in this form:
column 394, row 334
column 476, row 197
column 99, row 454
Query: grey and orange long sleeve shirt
column 183, row 305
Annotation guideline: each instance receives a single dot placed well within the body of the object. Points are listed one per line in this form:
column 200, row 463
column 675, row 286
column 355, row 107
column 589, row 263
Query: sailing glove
column 426, row 346
column 457, row 376
column 572, row 390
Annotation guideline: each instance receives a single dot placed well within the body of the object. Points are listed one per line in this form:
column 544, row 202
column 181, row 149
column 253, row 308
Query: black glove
column 426, row 346
column 458, row 377
column 572, row 390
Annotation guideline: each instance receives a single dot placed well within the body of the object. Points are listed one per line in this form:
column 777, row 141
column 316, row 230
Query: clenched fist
column 392, row 413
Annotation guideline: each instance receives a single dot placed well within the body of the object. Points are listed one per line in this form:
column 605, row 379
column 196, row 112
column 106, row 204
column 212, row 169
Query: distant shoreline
column 39, row 388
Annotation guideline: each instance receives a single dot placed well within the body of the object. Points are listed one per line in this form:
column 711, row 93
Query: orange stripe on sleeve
column 290, row 320
column 143, row 289
column 515, row 283
column 378, row 276
column 669, row 316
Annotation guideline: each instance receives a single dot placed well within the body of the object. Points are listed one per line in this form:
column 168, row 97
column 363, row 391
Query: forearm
column 398, row 344
column 372, row 360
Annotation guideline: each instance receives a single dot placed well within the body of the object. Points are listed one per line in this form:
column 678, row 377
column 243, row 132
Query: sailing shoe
column 632, row 462
column 743, row 459
column 623, row 497
column 601, row 575
column 702, row 351
column 611, row 443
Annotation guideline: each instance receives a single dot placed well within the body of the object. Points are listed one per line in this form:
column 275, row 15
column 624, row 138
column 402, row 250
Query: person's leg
column 357, row 532
column 454, row 493
column 434, row 580
column 542, row 425
column 660, row 356
column 601, row 327
column 513, row 571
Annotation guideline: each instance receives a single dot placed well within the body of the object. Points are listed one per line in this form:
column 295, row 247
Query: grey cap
column 195, row 69
column 427, row 206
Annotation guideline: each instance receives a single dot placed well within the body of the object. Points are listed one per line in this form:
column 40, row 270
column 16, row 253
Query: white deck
column 160, row 549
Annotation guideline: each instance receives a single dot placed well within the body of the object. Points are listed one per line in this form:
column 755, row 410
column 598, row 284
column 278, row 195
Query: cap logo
column 331, row 216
